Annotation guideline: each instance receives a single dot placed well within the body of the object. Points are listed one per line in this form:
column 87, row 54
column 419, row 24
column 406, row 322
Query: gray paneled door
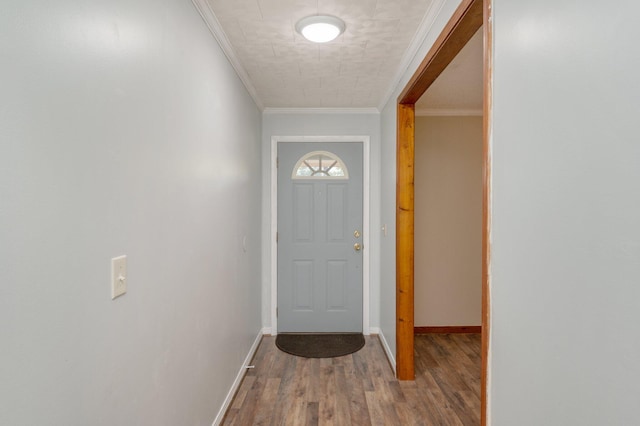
column 320, row 237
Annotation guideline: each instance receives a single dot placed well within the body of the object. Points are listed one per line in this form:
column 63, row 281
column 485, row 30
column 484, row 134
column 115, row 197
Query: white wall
column 388, row 220
column 566, row 208
column 388, row 183
column 123, row 130
column 448, row 221
column 315, row 123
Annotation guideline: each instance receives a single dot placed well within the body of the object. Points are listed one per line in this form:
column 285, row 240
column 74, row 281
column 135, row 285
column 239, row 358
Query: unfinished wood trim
column 486, row 203
column 476, row 329
column 404, row 241
column 464, row 23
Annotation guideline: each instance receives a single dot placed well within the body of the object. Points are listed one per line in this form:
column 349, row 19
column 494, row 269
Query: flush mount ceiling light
column 320, row 28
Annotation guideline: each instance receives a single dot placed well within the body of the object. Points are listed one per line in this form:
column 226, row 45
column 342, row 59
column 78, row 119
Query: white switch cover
column 118, row 276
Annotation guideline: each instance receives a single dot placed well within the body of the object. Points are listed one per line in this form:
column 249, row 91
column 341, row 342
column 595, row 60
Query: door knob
column 357, row 247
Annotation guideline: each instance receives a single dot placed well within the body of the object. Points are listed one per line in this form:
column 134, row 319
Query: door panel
column 319, row 272
column 303, row 213
column 337, row 285
column 336, row 213
column 303, row 285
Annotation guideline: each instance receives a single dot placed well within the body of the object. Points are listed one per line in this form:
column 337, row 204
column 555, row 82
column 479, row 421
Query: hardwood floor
column 360, row 389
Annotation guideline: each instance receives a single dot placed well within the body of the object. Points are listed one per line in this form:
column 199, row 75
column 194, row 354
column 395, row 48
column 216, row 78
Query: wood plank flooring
column 360, row 389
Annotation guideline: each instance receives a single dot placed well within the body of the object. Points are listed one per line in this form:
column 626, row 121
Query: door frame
column 366, row 182
column 464, row 23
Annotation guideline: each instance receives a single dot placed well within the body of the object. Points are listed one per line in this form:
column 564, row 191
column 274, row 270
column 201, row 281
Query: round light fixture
column 320, row 28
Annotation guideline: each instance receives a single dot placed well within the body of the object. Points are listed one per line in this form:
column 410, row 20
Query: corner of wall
column 387, row 350
column 236, row 383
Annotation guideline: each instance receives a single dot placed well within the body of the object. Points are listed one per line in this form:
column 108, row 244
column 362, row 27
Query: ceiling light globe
column 320, row 33
column 320, row 28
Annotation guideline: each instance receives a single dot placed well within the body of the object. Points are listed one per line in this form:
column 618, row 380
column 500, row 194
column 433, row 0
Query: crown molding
column 320, row 111
column 443, row 112
column 409, row 55
column 218, row 33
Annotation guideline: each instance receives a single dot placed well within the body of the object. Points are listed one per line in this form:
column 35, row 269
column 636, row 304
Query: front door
column 320, row 237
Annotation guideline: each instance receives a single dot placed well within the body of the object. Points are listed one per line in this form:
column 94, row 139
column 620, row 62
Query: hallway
column 360, row 389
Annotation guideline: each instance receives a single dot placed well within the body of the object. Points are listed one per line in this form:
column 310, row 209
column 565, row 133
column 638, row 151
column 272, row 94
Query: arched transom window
column 320, row 165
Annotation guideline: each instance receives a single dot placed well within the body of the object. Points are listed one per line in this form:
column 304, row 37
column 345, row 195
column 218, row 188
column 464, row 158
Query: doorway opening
column 365, row 237
column 470, row 16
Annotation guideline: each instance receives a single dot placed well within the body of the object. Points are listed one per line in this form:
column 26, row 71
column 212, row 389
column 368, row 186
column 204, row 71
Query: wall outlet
column 118, row 276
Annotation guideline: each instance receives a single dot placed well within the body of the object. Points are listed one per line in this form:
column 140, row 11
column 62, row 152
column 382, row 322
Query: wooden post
column 404, row 241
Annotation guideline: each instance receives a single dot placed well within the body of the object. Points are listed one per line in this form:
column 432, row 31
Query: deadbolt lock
column 356, row 233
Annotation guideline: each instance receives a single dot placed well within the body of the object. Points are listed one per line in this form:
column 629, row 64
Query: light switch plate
column 118, row 276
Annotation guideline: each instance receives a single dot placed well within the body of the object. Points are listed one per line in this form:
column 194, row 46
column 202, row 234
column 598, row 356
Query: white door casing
column 365, row 141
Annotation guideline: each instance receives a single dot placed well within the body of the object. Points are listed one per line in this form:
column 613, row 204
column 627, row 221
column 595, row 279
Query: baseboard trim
column 238, row 380
column 448, row 329
column 387, row 351
column 374, row 330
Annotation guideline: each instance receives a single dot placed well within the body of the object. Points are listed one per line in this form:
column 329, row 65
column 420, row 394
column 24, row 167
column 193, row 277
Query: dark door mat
column 321, row 345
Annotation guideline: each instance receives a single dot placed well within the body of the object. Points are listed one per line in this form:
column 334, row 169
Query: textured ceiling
column 354, row 71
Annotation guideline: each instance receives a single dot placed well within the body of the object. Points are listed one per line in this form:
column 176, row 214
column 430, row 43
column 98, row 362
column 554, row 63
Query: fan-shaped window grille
column 320, row 165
